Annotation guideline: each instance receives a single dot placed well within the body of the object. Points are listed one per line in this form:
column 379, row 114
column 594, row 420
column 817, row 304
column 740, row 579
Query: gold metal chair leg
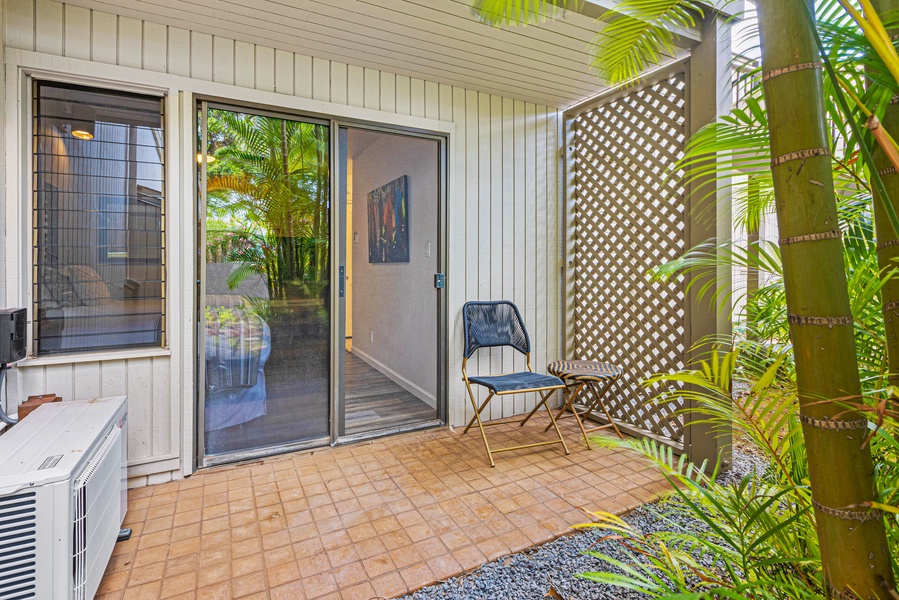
column 531, row 414
column 577, row 417
column 552, row 419
column 570, row 397
column 598, row 400
column 477, row 411
column 477, row 417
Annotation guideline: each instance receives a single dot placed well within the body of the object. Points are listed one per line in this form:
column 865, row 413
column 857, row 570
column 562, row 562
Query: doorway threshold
column 379, row 433
column 215, row 460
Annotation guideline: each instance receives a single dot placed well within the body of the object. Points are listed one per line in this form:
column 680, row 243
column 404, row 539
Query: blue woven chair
column 499, row 324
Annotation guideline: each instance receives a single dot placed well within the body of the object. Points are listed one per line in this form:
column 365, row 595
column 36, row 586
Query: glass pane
column 98, row 214
column 392, row 207
column 267, row 321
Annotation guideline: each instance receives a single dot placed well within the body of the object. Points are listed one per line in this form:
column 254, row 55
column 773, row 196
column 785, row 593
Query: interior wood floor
column 374, row 401
column 297, row 409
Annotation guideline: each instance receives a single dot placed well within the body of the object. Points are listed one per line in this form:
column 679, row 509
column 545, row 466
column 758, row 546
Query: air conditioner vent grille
column 79, row 542
column 18, row 546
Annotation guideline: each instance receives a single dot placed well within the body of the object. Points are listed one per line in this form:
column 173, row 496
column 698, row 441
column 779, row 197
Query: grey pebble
column 530, row 574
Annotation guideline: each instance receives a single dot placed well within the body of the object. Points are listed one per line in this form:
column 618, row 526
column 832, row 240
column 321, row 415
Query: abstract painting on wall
column 388, row 223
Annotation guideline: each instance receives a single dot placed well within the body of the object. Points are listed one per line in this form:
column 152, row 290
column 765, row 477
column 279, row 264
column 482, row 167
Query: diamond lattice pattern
column 629, row 217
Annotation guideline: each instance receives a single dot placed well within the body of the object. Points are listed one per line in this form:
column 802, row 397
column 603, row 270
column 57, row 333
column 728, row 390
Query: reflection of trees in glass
column 267, row 201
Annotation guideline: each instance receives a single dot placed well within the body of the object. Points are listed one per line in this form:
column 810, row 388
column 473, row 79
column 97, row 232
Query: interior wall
column 395, row 312
column 348, row 255
column 503, row 209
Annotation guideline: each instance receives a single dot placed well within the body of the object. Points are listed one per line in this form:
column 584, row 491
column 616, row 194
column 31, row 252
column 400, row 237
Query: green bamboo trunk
column 887, row 242
column 853, row 544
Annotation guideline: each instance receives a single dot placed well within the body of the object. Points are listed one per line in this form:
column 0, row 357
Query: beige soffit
column 434, row 40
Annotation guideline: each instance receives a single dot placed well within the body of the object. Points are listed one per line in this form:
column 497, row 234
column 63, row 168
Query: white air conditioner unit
column 62, row 498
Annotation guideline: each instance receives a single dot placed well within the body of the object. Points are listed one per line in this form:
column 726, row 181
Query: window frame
column 28, row 85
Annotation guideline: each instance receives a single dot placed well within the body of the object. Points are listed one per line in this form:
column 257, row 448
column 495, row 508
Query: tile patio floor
column 369, row 520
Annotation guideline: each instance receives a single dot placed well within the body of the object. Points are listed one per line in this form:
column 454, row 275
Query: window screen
column 99, row 210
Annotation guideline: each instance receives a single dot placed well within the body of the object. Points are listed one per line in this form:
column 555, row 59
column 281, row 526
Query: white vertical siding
column 146, row 382
column 503, row 207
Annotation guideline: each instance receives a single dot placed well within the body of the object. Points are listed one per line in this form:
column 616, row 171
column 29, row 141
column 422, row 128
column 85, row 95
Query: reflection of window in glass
column 99, row 269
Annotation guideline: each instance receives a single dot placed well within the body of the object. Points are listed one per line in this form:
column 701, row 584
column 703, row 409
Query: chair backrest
column 492, row 324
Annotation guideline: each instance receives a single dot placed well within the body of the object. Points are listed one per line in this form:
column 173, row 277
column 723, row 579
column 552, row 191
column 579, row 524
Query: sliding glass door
column 264, row 292
column 286, row 360
column 390, row 199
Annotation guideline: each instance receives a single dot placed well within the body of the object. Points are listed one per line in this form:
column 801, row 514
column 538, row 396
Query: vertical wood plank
column 48, row 27
column 154, row 51
column 59, row 380
column 155, row 47
column 508, row 230
column 321, row 79
column 33, row 384
column 520, row 245
column 201, row 56
column 86, row 381
column 222, row 60
column 486, row 358
column 456, row 214
column 302, row 76
column 140, row 408
column 530, row 240
column 446, row 102
column 20, row 24
column 432, row 100
column 339, row 82
column 104, row 37
column 372, row 89
column 13, row 285
column 553, row 239
column 284, row 72
column 114, row 378
column 162, row 406
column 244, row 64
column 355, row 86
column 179, row 48
column 403, row 95
column 130, row 51
column 417, row 93
column 265, row 68
column 540, row 275
column 504, row 407
column 472, row 241
column 388, row 92
column 78, row 32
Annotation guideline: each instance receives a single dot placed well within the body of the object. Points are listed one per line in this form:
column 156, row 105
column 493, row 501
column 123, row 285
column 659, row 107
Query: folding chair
column 499, row 324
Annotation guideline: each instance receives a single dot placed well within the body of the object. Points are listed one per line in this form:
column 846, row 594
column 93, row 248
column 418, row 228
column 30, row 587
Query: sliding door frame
column 338, row 216
column 202, row 104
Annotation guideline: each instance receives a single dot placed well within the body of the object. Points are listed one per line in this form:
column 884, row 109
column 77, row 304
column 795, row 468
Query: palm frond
column 519, row 12
column 637, row 35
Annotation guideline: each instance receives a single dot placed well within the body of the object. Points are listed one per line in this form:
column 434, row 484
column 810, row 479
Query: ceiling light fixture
column 83, row 121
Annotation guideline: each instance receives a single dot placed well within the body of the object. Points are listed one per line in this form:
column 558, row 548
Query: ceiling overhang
column 435, row 40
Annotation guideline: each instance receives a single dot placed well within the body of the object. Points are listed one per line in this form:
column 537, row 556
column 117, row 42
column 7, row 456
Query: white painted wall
column 395, row 312
column 503, row 206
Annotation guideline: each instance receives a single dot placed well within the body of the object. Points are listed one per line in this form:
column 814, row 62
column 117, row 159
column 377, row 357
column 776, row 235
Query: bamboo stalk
column 877, row 37
column 854, row 553
column 884, row 141
column 885, row 155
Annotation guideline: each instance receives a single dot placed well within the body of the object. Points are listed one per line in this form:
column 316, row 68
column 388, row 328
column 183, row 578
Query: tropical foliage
column 267, row 201
column 757, row 538
column 770, row 541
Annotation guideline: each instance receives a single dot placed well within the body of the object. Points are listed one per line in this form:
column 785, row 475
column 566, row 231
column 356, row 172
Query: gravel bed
column 530, row 574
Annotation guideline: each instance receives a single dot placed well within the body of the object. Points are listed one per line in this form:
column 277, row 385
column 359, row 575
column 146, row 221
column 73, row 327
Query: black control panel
column 12, row 334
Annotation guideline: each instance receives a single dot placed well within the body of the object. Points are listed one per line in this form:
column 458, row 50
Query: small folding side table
column 590, row 376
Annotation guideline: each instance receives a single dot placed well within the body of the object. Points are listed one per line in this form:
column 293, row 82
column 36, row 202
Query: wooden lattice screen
column 629, row 216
